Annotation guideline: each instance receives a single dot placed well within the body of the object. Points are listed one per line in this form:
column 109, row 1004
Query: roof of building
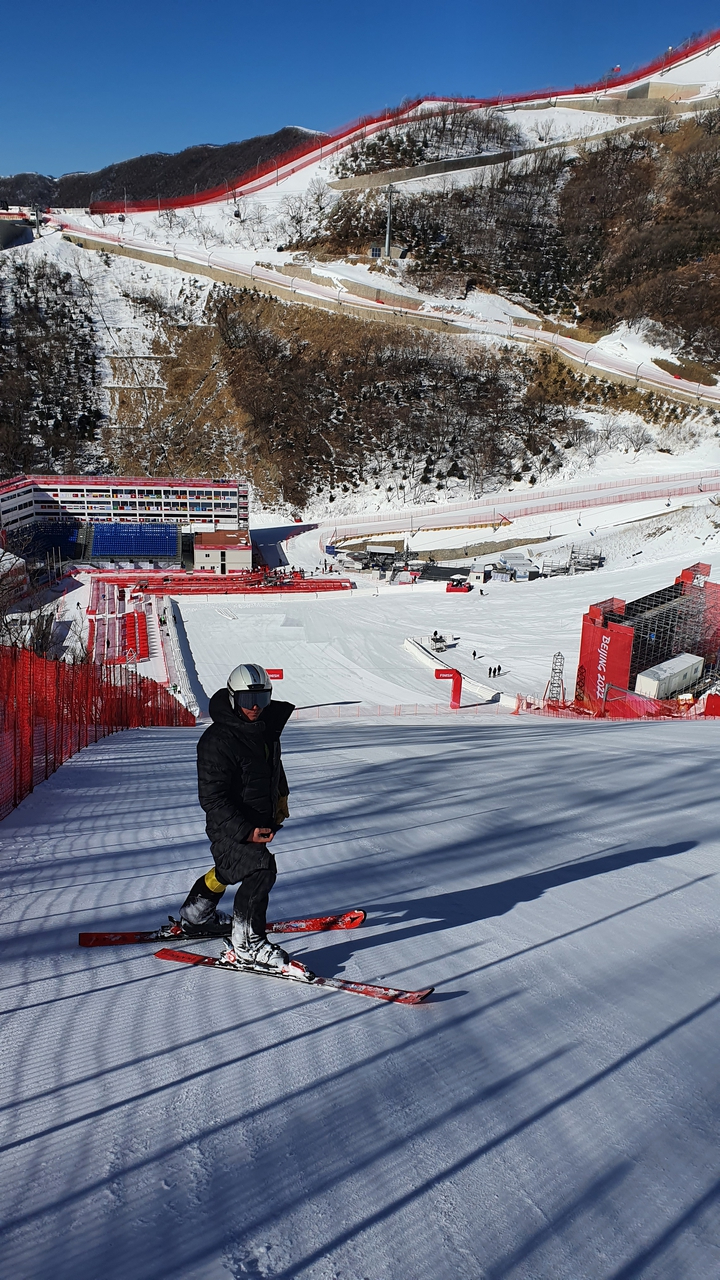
column 223, row 539
column 55, row 481
column 671, row 666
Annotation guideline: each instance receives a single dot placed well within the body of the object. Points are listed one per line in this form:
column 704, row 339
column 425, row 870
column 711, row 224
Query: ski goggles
column 249, row 698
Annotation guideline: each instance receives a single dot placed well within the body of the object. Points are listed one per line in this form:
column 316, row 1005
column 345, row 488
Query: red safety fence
column 271, row 171
column 250, row 582
column 50, row 710
column 623, row 704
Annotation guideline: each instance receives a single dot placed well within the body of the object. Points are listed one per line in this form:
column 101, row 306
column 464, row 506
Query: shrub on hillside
column 50, row 398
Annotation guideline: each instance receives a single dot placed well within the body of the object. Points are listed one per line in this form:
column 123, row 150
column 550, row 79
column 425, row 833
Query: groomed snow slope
column 551, row 1114
column 348, row 647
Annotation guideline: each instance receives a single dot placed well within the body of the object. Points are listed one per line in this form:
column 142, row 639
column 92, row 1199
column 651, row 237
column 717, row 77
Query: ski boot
column 257, row 954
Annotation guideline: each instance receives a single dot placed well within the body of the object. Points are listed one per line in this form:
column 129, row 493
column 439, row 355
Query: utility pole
column 388, row 225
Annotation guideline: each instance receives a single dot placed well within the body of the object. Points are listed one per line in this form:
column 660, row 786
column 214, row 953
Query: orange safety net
column 50, row 710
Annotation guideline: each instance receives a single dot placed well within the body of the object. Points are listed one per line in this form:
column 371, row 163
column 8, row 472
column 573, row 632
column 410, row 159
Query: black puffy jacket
column 240, row 772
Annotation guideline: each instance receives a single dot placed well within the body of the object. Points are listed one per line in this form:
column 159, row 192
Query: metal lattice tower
column 555, row 688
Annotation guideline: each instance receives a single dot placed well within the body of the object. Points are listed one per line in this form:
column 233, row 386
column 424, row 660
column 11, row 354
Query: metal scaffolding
column 681, row 618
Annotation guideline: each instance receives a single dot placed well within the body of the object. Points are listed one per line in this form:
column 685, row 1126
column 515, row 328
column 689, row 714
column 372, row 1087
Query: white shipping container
column 670, row 677
column 515, row 557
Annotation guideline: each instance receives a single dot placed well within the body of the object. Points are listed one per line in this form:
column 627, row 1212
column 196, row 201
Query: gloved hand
column 281, row 810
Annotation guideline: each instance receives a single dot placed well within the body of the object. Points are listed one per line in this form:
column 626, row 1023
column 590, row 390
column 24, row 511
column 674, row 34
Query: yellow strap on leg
column 212, row 882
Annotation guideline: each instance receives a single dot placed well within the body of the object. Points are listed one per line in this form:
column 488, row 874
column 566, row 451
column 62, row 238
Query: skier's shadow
column 442, row 911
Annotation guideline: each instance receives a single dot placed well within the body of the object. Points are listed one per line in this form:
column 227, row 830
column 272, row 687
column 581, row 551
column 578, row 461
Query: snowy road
column 511, row 505
column 187, row 256
column 552, row 1114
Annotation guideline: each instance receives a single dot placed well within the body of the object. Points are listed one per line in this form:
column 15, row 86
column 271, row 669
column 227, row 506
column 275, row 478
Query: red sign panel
column 605, row 654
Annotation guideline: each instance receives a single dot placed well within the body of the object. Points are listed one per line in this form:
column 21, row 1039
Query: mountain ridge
column 158, row 173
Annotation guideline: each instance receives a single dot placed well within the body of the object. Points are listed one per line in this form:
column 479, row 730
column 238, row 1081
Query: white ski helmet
column 249, row 686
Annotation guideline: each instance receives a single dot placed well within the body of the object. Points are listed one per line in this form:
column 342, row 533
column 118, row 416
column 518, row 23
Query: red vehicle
column 459, row 584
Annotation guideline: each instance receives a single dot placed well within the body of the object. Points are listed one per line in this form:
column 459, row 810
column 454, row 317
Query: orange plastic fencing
column 50, row 710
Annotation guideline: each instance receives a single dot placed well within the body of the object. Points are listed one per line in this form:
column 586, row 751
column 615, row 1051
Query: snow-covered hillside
column 246, row 231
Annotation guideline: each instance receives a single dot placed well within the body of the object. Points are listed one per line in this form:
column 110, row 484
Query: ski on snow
column 174, row 932
column 305, row 977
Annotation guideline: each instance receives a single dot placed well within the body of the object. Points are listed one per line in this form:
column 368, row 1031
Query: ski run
column 545, row 891
column 547, row 1114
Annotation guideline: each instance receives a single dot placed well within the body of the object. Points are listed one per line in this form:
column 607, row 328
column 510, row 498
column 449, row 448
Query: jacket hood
column 275, row 715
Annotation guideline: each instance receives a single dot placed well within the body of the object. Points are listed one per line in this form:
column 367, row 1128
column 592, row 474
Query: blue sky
column 85, row 84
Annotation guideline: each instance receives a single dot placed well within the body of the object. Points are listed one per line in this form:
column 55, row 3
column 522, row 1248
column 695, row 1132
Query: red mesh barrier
column 252, row 582
column 50, row 710
column 298, row 157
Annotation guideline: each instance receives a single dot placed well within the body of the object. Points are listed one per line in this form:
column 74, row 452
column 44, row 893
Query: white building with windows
column 224, row 551
column 196, row 505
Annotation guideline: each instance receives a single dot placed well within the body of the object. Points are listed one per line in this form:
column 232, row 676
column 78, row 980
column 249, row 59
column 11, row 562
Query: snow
column 702, row 69
column 563, row 124
column 550, row 1114
column 633, row 344
column 345, row 651
column 484, row 306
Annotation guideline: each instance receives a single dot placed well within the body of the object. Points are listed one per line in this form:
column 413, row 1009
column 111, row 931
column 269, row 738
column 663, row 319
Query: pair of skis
column 309, row 924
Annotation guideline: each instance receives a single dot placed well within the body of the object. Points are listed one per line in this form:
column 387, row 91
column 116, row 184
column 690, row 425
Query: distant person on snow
column 243, row 789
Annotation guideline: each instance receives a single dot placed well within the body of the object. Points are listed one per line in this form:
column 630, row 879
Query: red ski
column 173, row 932
column 305, row 977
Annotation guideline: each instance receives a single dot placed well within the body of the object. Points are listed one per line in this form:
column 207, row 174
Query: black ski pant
column 253, row 865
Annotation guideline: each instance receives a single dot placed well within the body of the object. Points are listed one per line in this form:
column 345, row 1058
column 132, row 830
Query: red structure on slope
column 449, row 673
column 619, row 640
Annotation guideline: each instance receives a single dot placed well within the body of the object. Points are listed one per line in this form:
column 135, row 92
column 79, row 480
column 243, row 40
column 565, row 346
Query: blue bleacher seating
column 133, row 541
column 49, row 535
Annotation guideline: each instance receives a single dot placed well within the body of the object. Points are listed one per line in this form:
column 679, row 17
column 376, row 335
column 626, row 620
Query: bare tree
column 664, row 117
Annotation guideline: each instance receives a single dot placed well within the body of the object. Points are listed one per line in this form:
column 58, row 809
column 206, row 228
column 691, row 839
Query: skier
column 243, row 789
